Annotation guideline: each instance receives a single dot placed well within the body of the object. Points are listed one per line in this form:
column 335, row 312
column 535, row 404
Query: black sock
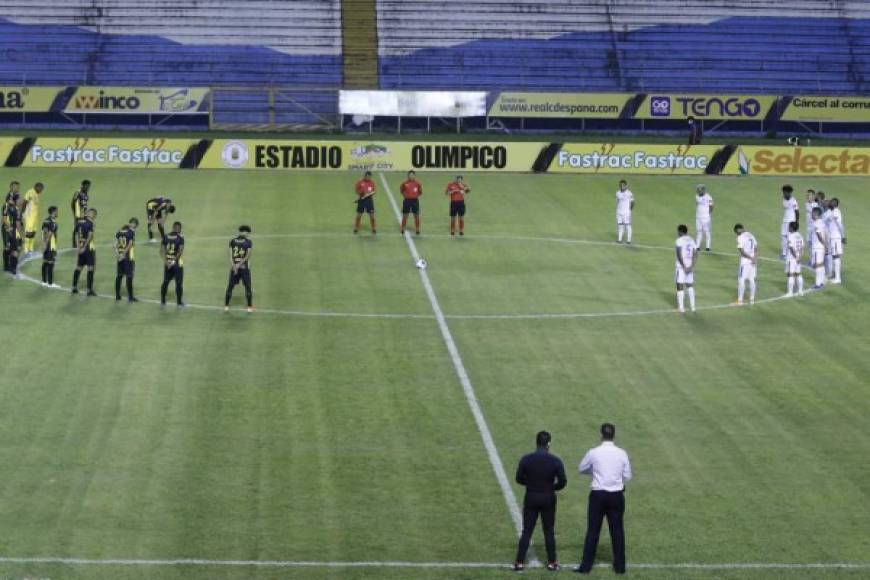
column 5, row 260
column 162, row 231
column 90, row 280
column 179, row 292
column 13, row 264
column 129, row 287
column 150, row 232
column 229, row 296
column 163, row 288
column 249, row 296
column 50, row 271
column 44, row 272
column 118, row 287
column 76, row 275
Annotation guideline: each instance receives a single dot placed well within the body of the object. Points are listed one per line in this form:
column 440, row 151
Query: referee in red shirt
column 411, row 191
column 457, row 190
column 365, row 203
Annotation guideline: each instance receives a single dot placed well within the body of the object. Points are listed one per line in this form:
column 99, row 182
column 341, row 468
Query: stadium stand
column 647, row 45
column 180, row 43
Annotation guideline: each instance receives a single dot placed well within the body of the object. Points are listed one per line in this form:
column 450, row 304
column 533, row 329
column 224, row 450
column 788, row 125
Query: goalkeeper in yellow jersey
column 31, row 217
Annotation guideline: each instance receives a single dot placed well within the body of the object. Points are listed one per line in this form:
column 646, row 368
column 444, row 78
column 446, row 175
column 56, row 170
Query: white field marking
column 419, row 565
column 470, row 396
column 532, row 316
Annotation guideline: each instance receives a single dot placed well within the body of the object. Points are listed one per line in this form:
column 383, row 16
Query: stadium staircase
column 360, row 43
column 648, row 45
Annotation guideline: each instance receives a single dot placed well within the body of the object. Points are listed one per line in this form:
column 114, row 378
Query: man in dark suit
column 543, row 475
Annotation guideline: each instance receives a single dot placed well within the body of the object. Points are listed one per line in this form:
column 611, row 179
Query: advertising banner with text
column 822, row 161
column 374, row 155
column 28, row 99
column 139, row 100
column 837, row 109
column 702, row 107
column 632, row 158
column 560, row 105
column 143, row 153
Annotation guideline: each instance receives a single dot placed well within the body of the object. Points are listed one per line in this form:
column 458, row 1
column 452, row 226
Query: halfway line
column 470, row 396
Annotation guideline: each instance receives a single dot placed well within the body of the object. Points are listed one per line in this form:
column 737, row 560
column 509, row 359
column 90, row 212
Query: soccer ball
column 421, row 264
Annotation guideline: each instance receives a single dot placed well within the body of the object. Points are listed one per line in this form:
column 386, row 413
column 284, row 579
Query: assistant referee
column 543, row 474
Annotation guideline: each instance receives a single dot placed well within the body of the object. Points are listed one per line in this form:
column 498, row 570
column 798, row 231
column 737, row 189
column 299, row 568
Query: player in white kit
column 790, row 213
column 811, row 203
column 836, row 239
column 703, row 216
column 747, row 248
column 793, row 260
column 687, row 255
column 819, row 247
column 624, row 206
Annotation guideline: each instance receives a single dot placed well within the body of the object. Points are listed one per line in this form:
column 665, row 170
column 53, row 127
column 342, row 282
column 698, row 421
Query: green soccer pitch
column 331, row 426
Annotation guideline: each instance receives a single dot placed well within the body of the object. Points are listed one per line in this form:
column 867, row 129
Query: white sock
column 820, row 275
column 752, row 289
column 829, row 266
column 680, row 301
column 691, row 291
column 837, row 266
column 628, row 233
column 800, row 281
column 790, row 285
column 741, row 288
column 709, row 240
column 619, row 230
column 698, row 239
column 783, row 245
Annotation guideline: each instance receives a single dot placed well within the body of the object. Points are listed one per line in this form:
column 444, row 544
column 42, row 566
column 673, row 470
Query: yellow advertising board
column 633, row 158
column 142, row 153
column 374, row 155
column 716, row 107
column 560, row 105
column 839, row 109
column 28, row 99
column 138, row 100
column 760, row 160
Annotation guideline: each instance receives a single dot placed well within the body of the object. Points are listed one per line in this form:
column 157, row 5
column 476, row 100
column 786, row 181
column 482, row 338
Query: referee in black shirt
column 543, row 475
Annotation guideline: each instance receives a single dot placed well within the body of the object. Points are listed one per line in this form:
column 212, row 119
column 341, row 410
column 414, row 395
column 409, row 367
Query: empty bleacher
column 640, row 45
column 178, row 43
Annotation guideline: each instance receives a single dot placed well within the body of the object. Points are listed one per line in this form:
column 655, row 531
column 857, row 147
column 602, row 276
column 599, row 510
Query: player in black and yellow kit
column 125, row 252
column 79, row 204
column 156, row 210
column 83, row 237
column 172, row 252
column 12, row 234
column 241, row 249
column 49, row 247
column 13, row 192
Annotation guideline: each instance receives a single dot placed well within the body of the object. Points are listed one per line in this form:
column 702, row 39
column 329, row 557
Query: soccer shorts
column 683, row 277
column 818, row 255
column 87, row 258
column 49, row 255
column 243, row 275
column 457, row 208
column 746, row 272
column 366, row 205
column 835, row 247
column 126, row 267
column 792, row 266
column 623, row 218
column 411, row 206
column 703, row 225
column 174, row 272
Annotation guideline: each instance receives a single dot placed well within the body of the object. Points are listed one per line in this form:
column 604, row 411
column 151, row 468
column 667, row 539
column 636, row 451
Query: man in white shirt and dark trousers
column 543, row 474
column 610, row 469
